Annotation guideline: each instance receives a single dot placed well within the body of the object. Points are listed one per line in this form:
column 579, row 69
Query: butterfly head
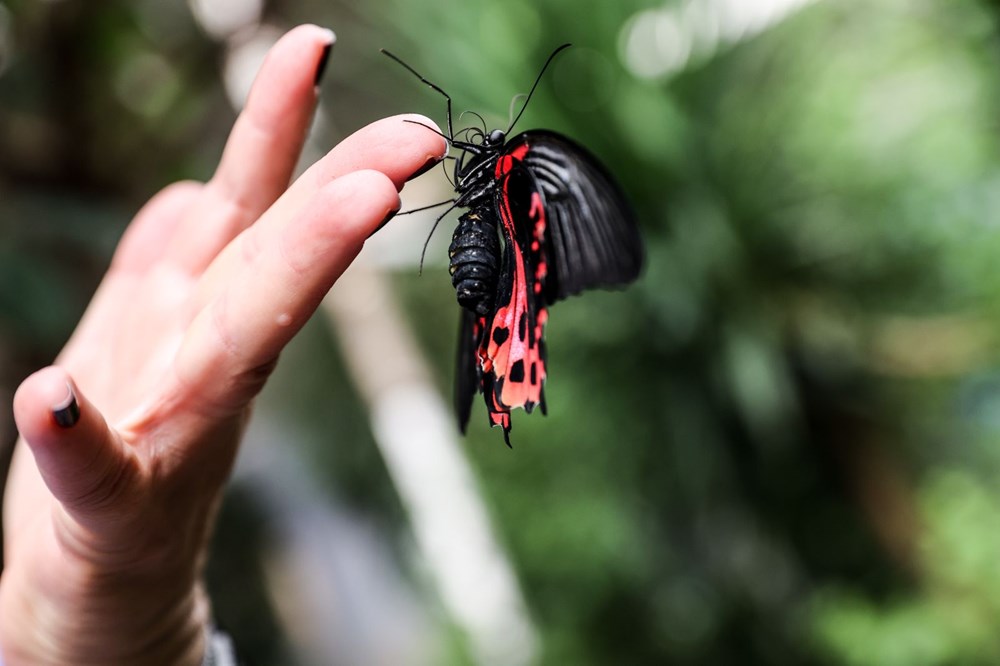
column 496, row 138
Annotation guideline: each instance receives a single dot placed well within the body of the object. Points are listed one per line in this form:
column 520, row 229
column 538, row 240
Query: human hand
column 129, row 438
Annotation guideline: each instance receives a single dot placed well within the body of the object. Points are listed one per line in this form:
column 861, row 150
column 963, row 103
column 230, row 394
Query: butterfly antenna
column 451, row 132
column 510, row 110
column 449, row 139
column 532, row 91
column 427, row 242
column 447, row 175
column 482, row 121
column 423, row 208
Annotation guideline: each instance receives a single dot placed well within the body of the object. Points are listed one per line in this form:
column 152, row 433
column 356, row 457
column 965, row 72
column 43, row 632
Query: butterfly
column 544, row 221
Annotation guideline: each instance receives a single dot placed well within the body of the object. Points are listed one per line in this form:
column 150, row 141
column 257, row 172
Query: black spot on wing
column 516, row 373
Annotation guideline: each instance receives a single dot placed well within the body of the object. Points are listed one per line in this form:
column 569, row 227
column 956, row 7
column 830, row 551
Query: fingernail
column 428, row 165
column 321, row 66
column 389, row 216
column 67, row 412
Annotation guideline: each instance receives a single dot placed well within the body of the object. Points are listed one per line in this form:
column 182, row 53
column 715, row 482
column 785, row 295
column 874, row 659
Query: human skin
column 107, row 522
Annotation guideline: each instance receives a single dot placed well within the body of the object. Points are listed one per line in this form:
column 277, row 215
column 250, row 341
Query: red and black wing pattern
column 592, row 239
column 566, row 227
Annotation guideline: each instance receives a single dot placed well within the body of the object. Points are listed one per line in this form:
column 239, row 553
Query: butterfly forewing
column 592, row 239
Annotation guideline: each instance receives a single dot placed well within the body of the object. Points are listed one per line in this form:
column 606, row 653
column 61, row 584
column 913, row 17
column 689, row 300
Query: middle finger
column 399, row 147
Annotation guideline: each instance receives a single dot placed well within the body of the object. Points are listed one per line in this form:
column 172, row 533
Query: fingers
column 399, row 147
column 262, row 150
column 83, row 462
column 232, row 344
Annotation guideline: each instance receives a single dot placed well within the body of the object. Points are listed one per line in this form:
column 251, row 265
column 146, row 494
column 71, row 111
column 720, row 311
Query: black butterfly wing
column 467, row 378
column 591, row 236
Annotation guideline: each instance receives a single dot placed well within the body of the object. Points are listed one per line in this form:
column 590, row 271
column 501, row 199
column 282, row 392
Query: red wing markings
column 511, row 351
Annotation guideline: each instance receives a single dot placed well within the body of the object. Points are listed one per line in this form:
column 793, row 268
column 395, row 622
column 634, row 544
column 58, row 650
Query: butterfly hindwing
column 467, row 373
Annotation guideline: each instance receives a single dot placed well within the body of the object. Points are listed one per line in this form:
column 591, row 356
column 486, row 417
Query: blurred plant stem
column 415, row 432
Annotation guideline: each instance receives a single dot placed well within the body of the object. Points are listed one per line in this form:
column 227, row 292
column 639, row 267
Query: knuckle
column 250, row 249
column 107, row 488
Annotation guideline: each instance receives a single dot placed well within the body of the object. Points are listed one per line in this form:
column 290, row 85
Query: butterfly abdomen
column 475, row 262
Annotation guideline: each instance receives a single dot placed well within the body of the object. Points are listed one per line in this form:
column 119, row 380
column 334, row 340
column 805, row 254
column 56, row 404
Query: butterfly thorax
column 475, row 169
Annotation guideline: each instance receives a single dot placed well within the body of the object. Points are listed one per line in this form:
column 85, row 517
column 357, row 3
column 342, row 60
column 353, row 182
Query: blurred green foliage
column 779, row 447
column 736, row 469
column 953, row 618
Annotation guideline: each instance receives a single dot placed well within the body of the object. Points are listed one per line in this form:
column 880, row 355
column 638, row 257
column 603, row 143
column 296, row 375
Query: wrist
column 96, row 620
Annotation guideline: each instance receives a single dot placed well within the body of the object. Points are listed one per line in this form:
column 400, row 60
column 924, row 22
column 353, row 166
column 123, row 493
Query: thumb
column 84, row 463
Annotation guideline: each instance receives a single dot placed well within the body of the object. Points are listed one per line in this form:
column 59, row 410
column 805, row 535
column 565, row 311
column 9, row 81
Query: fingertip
column 80, row 459
column 435, row 145
column 311, row 30
column 307, row 35
column 321, row 40
column 45, row 404
column 404, row 146
column 371, row 196
column 338, row 219
column 375, row 182
column 287, row 80
column 428, row 132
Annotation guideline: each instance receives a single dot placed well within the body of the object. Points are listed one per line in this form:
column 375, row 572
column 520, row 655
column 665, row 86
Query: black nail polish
column 392, row 214
column 67, row 413
column 428, row 165
column 321, row 66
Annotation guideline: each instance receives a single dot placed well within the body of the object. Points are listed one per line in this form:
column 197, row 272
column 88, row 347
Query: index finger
column 399, row 147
